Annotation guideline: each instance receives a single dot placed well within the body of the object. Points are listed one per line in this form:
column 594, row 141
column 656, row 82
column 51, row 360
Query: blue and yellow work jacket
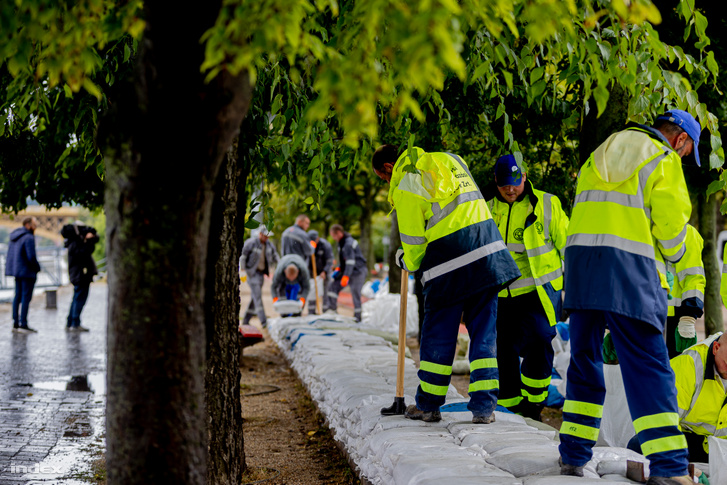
column 700, row 392
column 629, row 217
column 687, row 294
column 447, row 231
column 534, row 229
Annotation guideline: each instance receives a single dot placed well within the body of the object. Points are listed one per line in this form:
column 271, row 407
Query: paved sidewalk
column 52, row 392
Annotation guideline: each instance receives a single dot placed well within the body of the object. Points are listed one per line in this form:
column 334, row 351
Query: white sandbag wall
column 351, row 375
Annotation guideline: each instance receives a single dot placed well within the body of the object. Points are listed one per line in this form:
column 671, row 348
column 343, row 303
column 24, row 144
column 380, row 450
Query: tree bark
column 595, row 130
column 165, row 137
column 226, row 454
column 707, row 214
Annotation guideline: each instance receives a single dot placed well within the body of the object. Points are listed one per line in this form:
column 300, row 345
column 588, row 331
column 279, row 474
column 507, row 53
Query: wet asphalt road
column 52, row 391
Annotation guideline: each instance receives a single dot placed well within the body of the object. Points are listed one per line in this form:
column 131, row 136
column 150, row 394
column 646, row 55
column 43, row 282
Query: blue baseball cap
column 509, row 169
column 687, row 123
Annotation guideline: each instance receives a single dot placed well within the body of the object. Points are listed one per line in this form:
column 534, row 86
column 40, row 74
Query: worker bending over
column 450, row 240
column 629, row 217
column 533, row 225
column 352, row 270
column 291, row 279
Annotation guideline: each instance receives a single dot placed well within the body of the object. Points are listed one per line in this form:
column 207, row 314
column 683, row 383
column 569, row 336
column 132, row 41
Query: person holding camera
column 81, row 241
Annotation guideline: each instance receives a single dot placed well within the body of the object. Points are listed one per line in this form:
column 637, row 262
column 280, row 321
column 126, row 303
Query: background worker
column 701, row 380
column 295, row 239
column 353, row 270
column 686, row 298
column 291, row 280
column 258, row 257
column 450, row 240
column 22, row 263
column 324, row 263
column 629, row 217
column 81, row 242
column 533, row 226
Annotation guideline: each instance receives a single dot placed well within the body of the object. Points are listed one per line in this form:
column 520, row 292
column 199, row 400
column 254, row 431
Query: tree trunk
column 367, row 247
column 394, row 243
column 707, row 213
column 226, row 455
column 595, row 130
column 165, row 137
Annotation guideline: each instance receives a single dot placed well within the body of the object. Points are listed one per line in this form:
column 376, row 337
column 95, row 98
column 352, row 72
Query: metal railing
column 53, row 269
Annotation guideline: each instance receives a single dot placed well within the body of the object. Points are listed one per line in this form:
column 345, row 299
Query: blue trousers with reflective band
column 648, row 382
column 291, row 291
column 438, row 346
column 523, row 330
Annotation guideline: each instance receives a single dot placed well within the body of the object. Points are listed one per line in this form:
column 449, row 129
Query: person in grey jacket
column 258, row 257
column 324, row 265
column 290, row 281
column 23, row 265
column 353, row 270
column 295, row 239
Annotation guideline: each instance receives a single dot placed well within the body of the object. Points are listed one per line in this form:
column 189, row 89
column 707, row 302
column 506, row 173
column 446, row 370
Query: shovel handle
column 401, row 347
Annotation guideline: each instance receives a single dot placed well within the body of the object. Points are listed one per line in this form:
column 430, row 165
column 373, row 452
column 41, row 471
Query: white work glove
column 400, row 259
column 686, row 334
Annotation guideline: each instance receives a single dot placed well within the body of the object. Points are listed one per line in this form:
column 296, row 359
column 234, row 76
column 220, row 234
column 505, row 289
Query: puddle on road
column 95, row 383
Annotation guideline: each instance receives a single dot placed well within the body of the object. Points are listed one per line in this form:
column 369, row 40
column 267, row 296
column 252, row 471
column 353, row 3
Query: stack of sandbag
column 351, row 375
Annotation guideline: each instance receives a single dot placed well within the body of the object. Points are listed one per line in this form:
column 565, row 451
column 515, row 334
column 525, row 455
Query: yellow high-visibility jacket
column 700, row 393
column 723, row 281
column 630, row 214
column 687, row 295
column 447, row 232
column 534, row 229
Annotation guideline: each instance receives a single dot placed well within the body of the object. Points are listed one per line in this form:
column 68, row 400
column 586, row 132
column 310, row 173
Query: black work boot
column 483, row 418
column 532, row 410
column 570, row 470
column 413, row 412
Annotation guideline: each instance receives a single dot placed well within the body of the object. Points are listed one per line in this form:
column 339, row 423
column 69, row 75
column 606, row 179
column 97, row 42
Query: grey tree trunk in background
column 707, row 214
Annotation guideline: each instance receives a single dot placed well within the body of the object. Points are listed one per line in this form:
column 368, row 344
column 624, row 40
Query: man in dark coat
column 23, row 265
column 81, row 241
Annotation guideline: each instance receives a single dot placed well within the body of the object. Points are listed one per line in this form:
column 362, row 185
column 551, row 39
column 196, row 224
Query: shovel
column 399, row 406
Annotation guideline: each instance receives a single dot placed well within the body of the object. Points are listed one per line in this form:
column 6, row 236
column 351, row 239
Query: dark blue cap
column 687, row 123
column 313, row 235
column 509, row 169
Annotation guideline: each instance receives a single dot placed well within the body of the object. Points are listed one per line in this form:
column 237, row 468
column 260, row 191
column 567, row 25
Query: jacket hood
column 434, row 179
column 616, row 159
column 18, row 233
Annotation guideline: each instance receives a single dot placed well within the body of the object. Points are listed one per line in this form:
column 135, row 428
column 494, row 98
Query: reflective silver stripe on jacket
column 463, row 260
column 720, row 432
column 692, row 294
column 413, row 240
column 699, row 381
column 675, row 241
column 636, row 201
column 724, row 268
column 547, row 211
column 350, row 262
column 516, row 247
column 610, row 240
column 675, row 258
column 553, row 275
column 440, row 213
column 540, row 250
column 522, row 283
column 693, row 271
column 710, row 428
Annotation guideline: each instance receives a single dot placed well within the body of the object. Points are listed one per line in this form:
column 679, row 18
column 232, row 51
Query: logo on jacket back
column 518, row 234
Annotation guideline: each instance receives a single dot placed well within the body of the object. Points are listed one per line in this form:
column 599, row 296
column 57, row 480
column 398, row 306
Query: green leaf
column 715, row 187
column 600, row 94
column 127, row 52
column 700, row 23
column 308, row 200
column 252, row 224
column 536, row 74
column 500, row 110
column 692, row 99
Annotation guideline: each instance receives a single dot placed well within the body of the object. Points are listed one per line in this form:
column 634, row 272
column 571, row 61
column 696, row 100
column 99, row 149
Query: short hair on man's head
column 291, row 271
column 27, row 220
column 301, row 217
column 384, row 154
column 668, row 128
column 337, row 228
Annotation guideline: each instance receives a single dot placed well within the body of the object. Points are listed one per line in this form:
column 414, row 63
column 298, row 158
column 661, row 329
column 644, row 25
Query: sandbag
column 717, row 460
